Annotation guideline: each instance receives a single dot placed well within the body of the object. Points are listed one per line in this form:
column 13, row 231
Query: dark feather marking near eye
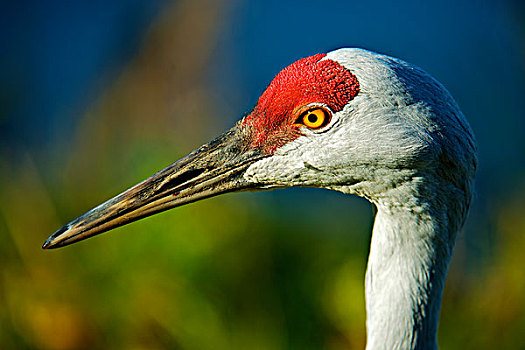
column 310, row 166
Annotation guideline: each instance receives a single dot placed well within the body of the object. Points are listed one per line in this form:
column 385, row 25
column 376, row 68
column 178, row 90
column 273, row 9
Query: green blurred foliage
column 245, row 271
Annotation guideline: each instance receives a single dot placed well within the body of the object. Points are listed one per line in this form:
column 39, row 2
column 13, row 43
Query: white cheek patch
column 277, row 169
column 297, row 163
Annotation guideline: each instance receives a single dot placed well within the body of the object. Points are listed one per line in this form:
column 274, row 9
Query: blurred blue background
column 97, row 95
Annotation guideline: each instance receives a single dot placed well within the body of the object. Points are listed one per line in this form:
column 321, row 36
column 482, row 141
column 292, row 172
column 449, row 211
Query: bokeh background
column 98, row 95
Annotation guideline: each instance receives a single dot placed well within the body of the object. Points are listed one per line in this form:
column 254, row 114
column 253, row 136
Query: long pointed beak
column 213, row 169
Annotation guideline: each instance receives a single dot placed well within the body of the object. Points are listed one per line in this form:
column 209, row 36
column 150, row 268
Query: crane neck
column 410, row 253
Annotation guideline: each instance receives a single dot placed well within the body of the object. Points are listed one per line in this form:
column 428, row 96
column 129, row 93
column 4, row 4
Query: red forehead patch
column 309, row 80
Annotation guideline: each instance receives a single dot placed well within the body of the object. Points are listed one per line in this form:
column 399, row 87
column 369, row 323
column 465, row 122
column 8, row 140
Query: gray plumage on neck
column 409, row 258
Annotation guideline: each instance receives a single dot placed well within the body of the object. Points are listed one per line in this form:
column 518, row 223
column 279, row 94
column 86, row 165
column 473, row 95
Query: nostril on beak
column 180, row 179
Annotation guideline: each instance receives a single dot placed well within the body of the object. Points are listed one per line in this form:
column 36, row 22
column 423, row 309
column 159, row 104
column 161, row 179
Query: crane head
column 350, row 120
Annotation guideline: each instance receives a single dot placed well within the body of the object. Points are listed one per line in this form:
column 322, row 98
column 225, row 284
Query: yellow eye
column 315, row 118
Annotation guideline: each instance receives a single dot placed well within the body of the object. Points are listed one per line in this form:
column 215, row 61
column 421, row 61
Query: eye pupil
column 315, row 118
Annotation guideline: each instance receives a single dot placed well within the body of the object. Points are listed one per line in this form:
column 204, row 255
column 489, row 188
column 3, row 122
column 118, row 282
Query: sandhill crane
column 352, row 121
